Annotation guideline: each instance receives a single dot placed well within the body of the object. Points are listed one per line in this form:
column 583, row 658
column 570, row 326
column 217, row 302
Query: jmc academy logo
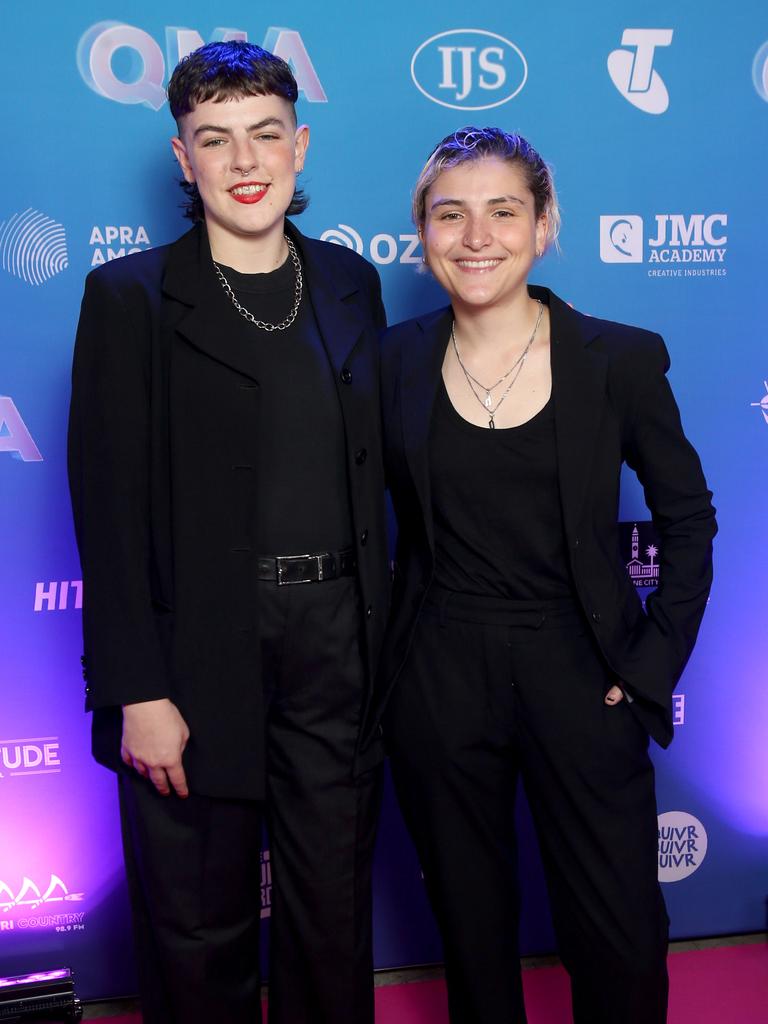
column 469, row 69
column 632, row 70
column 677, row 238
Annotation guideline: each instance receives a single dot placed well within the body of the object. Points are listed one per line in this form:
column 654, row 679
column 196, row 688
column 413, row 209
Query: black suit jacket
column 162, row 455
column 612, row 404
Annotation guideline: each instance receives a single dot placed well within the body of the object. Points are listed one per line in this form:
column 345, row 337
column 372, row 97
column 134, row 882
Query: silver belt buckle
column 284, row 561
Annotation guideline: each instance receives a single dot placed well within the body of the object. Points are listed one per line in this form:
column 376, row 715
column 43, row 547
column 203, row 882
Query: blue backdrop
column 654, row 117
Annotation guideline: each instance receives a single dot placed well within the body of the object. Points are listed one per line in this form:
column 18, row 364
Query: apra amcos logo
column 469, row 69
column 125, row 64
column 381, row 248
column 33, row 246
column 632, row 70
column 14, row 436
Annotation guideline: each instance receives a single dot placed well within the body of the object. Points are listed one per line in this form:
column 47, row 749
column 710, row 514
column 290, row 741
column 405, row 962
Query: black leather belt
column 286, row 569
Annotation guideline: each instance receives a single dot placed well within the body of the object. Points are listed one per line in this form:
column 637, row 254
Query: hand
column 614, row 695
column 154, row 738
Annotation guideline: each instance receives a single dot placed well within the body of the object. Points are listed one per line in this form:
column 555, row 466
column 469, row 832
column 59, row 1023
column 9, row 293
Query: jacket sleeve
column 108, row 462
column 676, row 493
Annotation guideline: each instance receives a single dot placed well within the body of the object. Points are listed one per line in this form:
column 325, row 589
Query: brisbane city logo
column 469, row 69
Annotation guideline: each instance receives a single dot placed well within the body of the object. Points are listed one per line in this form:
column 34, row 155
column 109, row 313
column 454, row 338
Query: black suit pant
column 493, row 691
column 193, row 865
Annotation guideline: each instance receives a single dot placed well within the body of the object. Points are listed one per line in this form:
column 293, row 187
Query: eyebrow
column 496, row 201
column 219, row 130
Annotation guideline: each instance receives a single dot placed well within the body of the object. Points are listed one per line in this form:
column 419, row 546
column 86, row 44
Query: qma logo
column 266, row 884
column 36, row 755
column 469, row 69
column 123, row 237
column 33, row 247
column 59, row 596
column 682, row 845
column 30, row 897
column 381, row 248
column 762, row 405
column 632, row 71
column 760, row 72
column 124, row 63
column 14, row 436
column 677, row 238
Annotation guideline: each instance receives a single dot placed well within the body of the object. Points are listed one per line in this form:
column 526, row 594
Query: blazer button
column 364, row 538
column 595, row 616
column 360, row 456
column 369, row 611
column 346, row 375
column 576, row 543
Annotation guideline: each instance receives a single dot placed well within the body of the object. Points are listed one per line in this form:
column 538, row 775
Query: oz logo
column 469, row 69
column 382, row 248
column 621, row 238
column 632, row 70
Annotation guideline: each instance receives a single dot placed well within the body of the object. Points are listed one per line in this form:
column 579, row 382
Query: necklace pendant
column 488, row 400
column 491, row 424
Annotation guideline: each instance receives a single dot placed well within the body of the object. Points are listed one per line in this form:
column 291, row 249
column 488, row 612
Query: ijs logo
column 469, row 69
column 682, row 845
column 125, row 64
column 633, row 73
column 382, row 248
column 621, row 238
column 760, row 72
column 762, row 405
column 14, row 436
column 33, row 246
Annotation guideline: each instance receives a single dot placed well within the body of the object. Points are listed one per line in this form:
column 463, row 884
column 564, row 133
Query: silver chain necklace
column 516, row 366
column 262, row 324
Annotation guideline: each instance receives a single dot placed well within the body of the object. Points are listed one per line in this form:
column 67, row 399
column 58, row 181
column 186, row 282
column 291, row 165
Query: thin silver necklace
column 487, row 402
column 263, row 324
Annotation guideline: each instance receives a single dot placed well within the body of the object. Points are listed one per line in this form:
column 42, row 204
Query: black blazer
column 162, row 455
column 612, row 404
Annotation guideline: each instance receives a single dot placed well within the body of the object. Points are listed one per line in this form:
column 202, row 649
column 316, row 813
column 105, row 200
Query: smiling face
column 481, row 233
column 243, row 154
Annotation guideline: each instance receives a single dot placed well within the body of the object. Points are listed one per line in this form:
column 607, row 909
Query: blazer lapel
column 340, row 323
column 422, row 361
column 579, row 389
column 211, row 323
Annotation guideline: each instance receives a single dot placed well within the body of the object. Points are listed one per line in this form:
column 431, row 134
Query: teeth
column 247, row 190
column 478, row 264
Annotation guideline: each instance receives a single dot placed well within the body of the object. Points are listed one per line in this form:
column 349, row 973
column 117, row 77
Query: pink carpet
column 726, row 985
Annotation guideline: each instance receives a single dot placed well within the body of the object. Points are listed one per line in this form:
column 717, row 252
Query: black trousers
column 193, row 865
column 493, row 690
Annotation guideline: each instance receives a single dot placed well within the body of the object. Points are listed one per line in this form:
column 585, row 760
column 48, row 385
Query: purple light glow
column 29, row 979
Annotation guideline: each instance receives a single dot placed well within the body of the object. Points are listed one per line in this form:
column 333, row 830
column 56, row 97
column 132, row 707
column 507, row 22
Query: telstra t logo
column 632, row 72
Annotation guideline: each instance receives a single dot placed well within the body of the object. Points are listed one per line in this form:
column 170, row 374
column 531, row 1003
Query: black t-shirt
column 302, row 475
column 496, row 506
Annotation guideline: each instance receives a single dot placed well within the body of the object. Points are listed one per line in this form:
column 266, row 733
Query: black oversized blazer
column 164, row 433
column 612, row 404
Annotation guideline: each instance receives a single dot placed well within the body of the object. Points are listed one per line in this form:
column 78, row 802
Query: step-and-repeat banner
column 655, row 117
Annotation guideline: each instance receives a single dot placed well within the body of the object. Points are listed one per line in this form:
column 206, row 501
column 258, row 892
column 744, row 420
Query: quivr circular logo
column 469, row 69
column 682, row 845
